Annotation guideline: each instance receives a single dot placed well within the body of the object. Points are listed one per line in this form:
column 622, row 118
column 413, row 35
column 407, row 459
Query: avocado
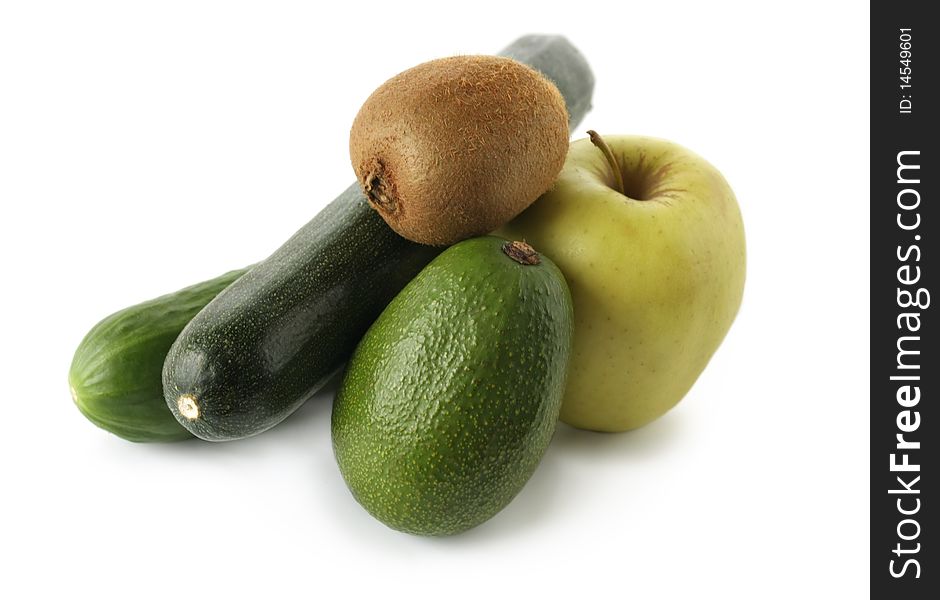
column 451, row 398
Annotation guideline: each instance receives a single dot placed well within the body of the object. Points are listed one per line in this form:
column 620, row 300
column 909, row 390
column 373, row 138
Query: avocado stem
column 598, row 141
column 522, row 253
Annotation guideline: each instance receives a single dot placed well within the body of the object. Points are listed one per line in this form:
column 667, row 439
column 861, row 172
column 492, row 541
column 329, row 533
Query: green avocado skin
column 115, row 376
column 451, row 398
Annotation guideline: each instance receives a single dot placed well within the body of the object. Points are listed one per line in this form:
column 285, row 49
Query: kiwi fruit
column 456, row 147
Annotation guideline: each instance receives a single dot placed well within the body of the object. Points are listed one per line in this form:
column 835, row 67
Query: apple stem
column 598, row 141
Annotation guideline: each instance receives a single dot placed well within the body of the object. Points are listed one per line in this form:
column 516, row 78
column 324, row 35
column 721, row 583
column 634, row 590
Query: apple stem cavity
column 598, row 141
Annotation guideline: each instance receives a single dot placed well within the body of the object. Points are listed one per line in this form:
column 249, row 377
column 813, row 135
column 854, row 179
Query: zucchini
column 257, row 351
column 115, row 377
column 267, row 343
column 556, row 58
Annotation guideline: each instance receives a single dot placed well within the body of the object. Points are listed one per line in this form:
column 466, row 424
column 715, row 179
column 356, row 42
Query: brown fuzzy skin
column 456, row 147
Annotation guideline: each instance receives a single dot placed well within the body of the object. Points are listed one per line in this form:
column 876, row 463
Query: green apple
column 655, row 264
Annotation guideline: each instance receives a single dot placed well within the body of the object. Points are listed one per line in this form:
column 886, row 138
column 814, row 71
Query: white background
column 147, row 146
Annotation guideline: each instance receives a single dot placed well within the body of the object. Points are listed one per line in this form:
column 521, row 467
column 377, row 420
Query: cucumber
column 451, row 398
column 254, row 354
column 115, row 377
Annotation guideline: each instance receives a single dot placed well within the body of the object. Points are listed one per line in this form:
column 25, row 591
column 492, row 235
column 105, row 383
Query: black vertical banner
column 905, row 370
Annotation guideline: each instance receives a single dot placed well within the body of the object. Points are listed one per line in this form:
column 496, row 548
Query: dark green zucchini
column 115, row 375
column 262, row 347
column 556, row 58
column 254, row 354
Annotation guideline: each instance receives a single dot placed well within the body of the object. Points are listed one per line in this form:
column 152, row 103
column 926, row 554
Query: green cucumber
column 254, row 354
column 451, row 398
column 115, row 377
